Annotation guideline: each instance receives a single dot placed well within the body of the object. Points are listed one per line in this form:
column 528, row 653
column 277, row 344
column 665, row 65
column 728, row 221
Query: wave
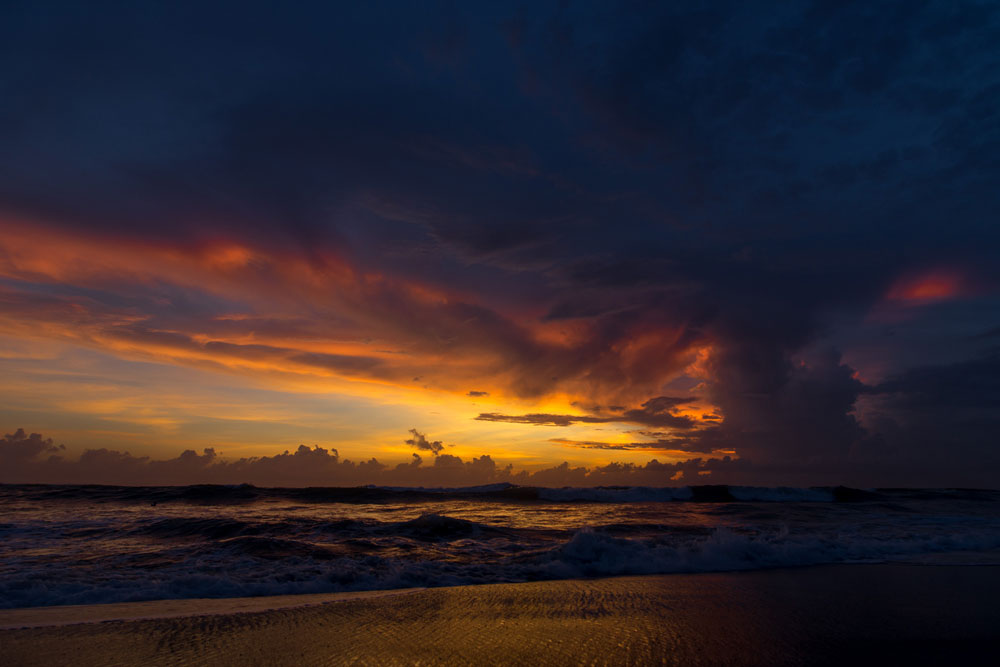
column 433, row 527
column 213, row 529
column 259, row 565
column 271, row 548
column 427, row 527
column 594, row 553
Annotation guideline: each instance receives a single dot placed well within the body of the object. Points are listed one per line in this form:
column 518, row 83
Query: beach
column 836, row 614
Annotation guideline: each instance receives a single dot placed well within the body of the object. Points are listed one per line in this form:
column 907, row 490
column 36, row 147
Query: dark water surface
column 92, row 544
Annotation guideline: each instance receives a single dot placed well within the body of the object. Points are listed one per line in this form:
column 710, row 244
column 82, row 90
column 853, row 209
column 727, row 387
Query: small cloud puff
column 420, row 441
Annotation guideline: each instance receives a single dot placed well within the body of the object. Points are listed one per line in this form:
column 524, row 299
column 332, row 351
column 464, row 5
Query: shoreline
column 150, row 610
column 825, row 614
column 16, row 618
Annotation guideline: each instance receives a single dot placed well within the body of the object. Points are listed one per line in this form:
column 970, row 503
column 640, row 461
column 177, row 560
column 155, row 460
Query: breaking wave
column 257, row 565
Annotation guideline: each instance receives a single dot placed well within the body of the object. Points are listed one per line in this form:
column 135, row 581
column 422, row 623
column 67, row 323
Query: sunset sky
column 755, row 247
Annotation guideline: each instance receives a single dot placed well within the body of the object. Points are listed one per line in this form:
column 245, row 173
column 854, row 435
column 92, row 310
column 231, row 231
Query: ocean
column 94, row 544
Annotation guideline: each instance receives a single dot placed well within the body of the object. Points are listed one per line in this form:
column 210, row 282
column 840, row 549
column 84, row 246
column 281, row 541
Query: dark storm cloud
column 746, row 178
column 989, row 333
column 777, row 410
column 713, row 102
column 941, row 417
column 973, row 384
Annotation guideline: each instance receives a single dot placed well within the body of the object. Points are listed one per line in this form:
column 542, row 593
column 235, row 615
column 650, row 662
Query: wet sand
column 835, row 615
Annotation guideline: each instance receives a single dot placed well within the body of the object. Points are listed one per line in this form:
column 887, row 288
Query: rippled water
column 75, row 545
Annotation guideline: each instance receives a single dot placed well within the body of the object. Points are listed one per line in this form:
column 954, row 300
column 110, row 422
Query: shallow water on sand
column 828, row 615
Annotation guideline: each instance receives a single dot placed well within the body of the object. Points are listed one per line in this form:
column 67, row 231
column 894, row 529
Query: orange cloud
column 939, row 285
column 270, row 311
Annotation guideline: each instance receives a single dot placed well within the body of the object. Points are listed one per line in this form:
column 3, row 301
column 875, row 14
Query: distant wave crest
column 503, row 492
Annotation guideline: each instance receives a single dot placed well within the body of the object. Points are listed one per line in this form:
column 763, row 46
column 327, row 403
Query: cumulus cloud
column 35, row 459
column 19, row 447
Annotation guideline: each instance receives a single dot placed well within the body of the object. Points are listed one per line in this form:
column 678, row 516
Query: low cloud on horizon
column 34, row 459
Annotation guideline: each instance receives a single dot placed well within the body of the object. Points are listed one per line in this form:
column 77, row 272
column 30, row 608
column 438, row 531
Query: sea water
column 94, row 544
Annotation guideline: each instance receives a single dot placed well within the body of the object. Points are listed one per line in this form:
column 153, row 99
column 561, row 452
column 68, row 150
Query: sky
column 442, row 243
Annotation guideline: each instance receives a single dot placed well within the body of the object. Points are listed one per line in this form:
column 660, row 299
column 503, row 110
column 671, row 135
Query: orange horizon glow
column 316, row 326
